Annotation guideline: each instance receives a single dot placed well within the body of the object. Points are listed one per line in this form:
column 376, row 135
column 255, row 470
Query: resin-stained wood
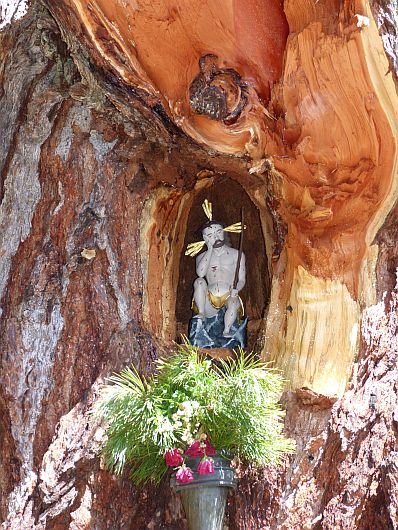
column 244, row 37
column 321, row 337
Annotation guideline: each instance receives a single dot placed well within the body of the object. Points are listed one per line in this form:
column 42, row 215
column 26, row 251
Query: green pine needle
column 235, row 404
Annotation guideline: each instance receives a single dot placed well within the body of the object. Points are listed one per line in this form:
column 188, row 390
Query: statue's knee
column 233, row 304
column 199, row 283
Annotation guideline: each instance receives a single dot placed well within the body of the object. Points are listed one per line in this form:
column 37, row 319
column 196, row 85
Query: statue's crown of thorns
column 195, row 248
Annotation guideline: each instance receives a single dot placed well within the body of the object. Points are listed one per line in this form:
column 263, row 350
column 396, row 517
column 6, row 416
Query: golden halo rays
column 208, row 209
column 195, row 248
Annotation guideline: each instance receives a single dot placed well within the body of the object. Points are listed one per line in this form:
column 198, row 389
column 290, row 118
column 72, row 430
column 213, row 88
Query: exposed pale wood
column 340, row 183
column 161, row 243
column 382, row 79
column 321, row 337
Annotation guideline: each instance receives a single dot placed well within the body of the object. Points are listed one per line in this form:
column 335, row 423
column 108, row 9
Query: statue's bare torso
column 221, row 271
column 216, row 269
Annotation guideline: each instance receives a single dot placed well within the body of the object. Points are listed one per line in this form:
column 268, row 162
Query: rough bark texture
column 91, row 163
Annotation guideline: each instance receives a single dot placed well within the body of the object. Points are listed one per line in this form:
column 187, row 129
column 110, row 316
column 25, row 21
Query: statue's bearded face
column 214, row 235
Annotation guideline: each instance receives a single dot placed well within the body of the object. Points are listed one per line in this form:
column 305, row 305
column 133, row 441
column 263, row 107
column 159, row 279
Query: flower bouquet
column 190, row 415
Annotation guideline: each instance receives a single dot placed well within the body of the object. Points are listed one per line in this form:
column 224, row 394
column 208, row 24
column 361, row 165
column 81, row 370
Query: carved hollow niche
column 171, row 221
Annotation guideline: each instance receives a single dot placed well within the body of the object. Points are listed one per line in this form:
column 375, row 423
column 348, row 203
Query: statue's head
column 213, row 231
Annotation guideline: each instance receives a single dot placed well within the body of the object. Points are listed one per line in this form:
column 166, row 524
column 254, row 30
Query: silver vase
column 205, row 498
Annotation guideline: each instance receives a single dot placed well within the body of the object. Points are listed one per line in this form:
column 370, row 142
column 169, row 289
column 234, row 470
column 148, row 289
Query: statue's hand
column 209, row 242
column 234, row 293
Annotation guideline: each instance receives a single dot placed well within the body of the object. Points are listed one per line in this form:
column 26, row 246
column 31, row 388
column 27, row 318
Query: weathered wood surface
column 320, row 106
column 91, row 162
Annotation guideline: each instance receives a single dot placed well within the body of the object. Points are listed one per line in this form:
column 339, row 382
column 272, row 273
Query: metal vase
column 205, row 498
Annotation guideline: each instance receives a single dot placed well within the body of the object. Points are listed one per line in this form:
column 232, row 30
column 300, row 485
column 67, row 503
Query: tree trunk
column 118, row 118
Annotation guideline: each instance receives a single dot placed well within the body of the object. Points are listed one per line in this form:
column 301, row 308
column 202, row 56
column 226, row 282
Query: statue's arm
column 242, row 273
column 203, row 263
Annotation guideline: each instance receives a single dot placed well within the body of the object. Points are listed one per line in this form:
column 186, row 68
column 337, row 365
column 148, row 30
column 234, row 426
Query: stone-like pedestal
column 207, row 332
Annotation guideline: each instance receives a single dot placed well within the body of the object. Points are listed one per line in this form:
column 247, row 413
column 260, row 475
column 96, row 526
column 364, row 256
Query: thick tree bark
column 104, row 164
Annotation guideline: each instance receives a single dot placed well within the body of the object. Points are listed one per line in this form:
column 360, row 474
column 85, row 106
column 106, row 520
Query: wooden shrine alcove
column 170, row 221
column 227, row 197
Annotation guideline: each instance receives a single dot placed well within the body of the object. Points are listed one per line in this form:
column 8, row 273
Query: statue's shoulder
column 234, row 251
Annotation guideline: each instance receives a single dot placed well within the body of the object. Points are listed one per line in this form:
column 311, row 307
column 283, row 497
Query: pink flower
column 197, row 449
column 184, row 475
column 173, row 457
column 206, row 466
column 194, row 450
column 210, row 450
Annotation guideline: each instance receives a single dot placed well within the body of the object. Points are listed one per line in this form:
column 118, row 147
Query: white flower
column 186, row 405
column 188, row 408
column 164, row 425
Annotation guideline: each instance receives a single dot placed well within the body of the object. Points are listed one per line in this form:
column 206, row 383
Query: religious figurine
column 221, row 270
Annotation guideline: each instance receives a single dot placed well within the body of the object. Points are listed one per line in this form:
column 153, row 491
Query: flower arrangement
column 192, row 407
column 200, row 448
